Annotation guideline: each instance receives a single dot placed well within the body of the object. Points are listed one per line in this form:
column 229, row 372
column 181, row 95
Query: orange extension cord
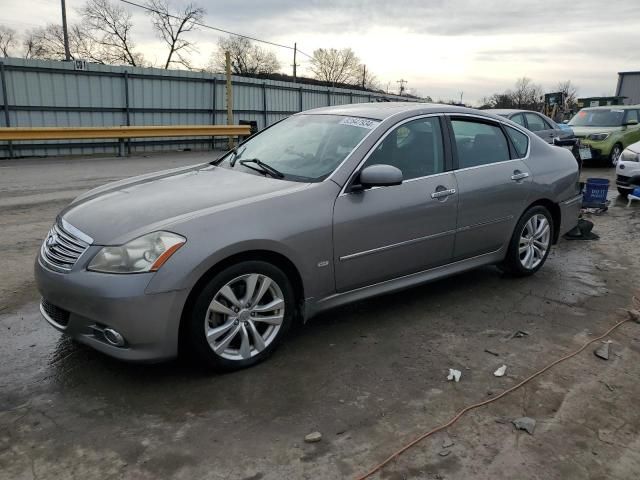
column 633, row 316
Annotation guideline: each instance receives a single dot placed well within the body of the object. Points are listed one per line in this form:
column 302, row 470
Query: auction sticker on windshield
column 359, row 122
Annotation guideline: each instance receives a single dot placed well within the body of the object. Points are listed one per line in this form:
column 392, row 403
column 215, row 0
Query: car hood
column 634, row 147
column 120, row 211
column 584, row 131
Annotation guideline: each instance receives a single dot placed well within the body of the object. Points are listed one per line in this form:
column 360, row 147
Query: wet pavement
column 369, row 376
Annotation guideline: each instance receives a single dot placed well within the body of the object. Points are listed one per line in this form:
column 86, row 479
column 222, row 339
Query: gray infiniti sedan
column 326, row 207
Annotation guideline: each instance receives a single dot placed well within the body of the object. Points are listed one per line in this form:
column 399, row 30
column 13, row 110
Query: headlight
column 630, row 156
column 598, row 137
column 143, row 254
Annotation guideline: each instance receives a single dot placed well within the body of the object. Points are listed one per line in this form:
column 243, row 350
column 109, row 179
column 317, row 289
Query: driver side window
column 414, row 147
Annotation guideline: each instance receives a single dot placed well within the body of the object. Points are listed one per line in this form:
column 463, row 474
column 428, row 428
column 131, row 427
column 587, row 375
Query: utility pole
column 67, row 53
column 364, row 76
column 402, row 81
column 295, row 51
column 461, row 97
column 229, row 91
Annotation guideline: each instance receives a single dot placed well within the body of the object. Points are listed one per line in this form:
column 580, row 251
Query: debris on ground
column 313, row 437
column 525, row 423
column 520, row 334
column 495, row 354
column 602, row 351
column 454, row 374
column 582, row 231
column 607, row 385
column 444, row 453
column 500, row 372
column 447, row 442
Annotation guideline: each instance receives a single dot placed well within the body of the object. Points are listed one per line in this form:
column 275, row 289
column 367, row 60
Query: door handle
column 518, row 175
column 443, row 193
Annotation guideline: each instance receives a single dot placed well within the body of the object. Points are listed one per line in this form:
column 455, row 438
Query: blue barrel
column 595, row 192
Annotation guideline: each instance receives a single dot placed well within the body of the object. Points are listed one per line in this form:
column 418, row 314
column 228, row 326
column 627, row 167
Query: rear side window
column 519, row 119
column 479, row 143
column 520, row 141
column 535, row 122
column 632, row 115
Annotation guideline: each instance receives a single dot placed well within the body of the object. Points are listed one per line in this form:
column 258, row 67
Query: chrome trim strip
column 484, row 224
column 489, row 165
column 74, row 231
column 50, row 320
column 573, row 200
column 395, row 245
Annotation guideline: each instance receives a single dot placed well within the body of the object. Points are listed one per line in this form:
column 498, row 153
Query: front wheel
column 240, row 316
column 623, row 192
column 614, row 156
column 531, row 242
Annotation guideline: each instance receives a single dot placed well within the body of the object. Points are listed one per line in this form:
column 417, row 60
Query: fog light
column 113, row 337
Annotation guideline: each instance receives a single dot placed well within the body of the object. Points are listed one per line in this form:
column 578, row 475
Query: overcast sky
column 441, row 47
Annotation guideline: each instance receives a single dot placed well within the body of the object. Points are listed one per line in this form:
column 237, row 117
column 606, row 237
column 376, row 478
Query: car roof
column 612, row 107
column 383, row 110
column 507, row 111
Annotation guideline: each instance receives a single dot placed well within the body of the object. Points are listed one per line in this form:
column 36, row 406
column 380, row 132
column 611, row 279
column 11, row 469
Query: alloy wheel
column 535, row 239
column 244, row 316
column 615, row 154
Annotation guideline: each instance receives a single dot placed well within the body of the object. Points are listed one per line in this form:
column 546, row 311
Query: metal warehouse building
column 629, row 86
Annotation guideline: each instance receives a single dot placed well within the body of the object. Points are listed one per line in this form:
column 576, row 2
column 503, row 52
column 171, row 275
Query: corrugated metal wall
column 49, row 93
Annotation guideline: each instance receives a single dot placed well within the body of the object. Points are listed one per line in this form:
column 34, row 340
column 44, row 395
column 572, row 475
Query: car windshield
column 598, row 118
column 302, row 147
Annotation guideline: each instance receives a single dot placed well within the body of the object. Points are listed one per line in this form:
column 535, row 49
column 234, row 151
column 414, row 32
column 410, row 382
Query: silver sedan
column 326, row 207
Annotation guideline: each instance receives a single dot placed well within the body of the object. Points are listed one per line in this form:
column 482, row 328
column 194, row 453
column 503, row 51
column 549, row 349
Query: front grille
column 57, row 314
column 62, row 248
column 622, row 180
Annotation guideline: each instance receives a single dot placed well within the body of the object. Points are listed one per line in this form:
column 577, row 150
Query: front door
column 383, row 233
column 492, row 184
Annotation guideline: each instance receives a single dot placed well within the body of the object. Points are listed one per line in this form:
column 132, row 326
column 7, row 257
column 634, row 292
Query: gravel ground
column 369, row 376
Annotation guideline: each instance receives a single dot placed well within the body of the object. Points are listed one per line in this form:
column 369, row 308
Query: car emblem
column 52, row 240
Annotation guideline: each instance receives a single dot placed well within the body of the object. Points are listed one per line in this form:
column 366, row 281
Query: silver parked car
column 538, row 123
column 326, row 207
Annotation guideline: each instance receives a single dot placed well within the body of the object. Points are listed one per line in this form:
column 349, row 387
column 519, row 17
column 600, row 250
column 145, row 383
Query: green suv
column 604, row 132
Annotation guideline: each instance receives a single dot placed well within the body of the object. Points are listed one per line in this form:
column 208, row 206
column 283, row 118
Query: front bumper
column 599, row 150
column 82, row 304
column 628, row 175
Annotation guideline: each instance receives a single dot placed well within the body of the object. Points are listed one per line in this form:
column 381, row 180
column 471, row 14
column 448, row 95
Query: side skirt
column 313, row 307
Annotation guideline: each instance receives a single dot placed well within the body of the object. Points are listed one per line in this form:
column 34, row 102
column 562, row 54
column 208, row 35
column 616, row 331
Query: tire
column 623, row 192
column 244, row 329
column 616, row 151
column 517, row 262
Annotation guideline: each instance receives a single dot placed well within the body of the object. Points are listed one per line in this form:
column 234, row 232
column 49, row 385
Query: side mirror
column 630, row 122
column 380, row 176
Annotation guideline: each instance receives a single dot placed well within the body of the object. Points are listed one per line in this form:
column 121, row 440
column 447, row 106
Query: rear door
column 492, row 181
column 386, row 232
column 538, row 125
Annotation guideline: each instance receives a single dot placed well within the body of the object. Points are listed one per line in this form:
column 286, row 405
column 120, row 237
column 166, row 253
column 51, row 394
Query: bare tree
column 8, row 40
column 570, row 93
column 246, row 58
column 110, row 26
column 335, row 66
column 526, row 94
column 171, row 28
column 48, row 43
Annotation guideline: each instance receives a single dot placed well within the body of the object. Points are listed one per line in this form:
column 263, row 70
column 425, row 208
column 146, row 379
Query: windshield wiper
column 235, row 154
column 264, row 167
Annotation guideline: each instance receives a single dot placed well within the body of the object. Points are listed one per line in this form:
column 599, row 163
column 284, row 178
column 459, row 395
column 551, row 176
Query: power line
column 204, row 25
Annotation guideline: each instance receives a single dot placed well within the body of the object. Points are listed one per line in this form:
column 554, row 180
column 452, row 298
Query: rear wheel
column 530, row 243
column 240, row 316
